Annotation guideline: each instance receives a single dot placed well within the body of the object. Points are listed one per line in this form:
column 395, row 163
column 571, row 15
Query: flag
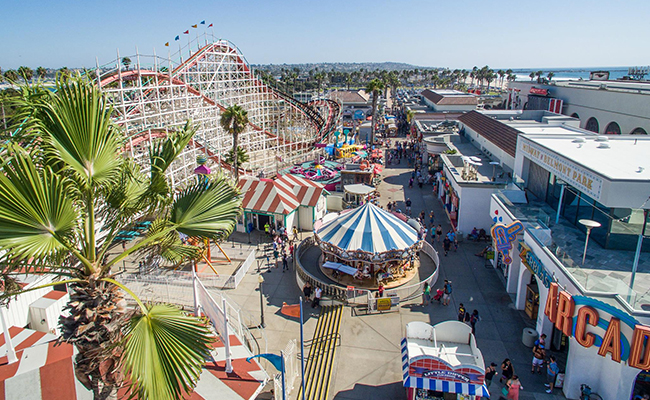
column 187, row 32
column 167, row 44
column 274, row 359
column 194, row 26
column 177, row 38
column 203, row 22
column 210, row 26
column 292, row 310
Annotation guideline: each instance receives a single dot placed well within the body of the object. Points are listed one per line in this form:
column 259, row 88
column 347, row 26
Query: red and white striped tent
column 45, row 371
column 307, row 192
column 267, row 196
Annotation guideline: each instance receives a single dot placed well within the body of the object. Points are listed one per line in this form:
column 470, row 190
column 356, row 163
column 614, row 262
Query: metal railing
column 291, row 370
column 365, row 296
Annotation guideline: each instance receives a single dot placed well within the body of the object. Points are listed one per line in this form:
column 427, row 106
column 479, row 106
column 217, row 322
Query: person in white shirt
column 317, row 295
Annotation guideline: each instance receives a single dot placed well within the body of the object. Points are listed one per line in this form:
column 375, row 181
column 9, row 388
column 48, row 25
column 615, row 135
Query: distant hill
column 339, row 67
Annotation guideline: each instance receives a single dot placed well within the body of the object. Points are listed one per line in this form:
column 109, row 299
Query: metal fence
column 176, row 288
column 241, row 272
column 363, row 296
column 291, row 371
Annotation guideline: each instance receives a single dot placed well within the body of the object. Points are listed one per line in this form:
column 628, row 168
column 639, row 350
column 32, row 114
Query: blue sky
column 453, row 33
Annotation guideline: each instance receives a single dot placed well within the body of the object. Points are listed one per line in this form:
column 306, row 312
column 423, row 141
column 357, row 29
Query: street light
column 589, row 224
column 260, row 280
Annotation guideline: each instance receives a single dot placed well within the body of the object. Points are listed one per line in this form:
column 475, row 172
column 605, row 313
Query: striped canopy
column 369, row 229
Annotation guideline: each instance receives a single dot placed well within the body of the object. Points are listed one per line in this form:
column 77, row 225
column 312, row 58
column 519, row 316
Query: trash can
column 528, row 337
column 460, row 236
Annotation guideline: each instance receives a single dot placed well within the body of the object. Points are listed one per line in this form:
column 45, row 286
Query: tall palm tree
column 550, row 75
column 375, row 87
column 532, row 76
column 62, row 205
column 41, row 72
column 11, row 76
column 26, row 73
column 126, row 61
column 234, row 120
column 539, row 74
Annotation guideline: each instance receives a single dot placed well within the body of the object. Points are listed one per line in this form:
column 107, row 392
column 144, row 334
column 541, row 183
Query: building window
column 613, row 129
column 592, row 125
column 638, row 131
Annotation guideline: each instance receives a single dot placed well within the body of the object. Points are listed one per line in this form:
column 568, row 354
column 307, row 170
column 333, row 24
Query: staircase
column 320, row 362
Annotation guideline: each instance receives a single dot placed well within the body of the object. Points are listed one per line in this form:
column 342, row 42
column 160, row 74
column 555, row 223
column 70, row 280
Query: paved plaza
column 368, row 362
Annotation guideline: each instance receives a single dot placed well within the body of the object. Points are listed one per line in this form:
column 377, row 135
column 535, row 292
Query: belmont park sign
column 594, row 323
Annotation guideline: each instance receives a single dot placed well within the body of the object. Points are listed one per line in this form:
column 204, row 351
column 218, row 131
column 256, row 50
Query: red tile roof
column 502, row 135
column 454, row 99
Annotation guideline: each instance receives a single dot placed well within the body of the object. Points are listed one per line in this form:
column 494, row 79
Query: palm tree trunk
column 235, row 144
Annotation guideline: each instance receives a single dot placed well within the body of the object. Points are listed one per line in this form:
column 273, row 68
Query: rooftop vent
column 602, row 139
column 640, row 169
column 578, row 140
column 603, row 145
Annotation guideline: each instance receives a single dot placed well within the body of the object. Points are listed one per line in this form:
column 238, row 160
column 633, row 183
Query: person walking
column 447, row 292
column 439, row 233
column 408, row 205
column 285, row 264
column 551, row 371
column 473, row 319
column 490, row 371
column 507, row 370
column 317, row 295
column 446, row 245
column 431, row 219
column 411, row 183
column 426, row 294
column 539, row 353
column 306, row 291
column 461, row 313
column 514, row 386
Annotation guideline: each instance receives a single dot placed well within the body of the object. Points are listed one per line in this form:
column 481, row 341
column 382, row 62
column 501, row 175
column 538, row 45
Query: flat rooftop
column 605, row 270
column 464, row 171
column 620, row 157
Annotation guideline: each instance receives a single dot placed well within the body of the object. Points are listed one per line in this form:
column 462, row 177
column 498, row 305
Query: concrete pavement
column 368, row 362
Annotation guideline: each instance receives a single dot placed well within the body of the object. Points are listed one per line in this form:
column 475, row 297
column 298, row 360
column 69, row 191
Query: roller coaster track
column 154, row 100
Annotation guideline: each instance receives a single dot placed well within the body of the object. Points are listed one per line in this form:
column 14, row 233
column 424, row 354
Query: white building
column 569, row 178
column 614, row 107
column 449, row 100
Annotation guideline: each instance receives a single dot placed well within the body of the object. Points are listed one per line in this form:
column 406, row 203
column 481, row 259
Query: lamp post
column 260, row 280
column 589, row 224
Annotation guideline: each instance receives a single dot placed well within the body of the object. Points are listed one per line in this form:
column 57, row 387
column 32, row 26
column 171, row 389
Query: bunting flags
column 187, row 32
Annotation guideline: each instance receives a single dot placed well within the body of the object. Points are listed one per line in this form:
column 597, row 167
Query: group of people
column 512, row 385
column 283, row 247
column 307, row 291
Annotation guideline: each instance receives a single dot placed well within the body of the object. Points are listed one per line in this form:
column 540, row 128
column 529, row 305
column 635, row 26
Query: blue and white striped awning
column 436, row 384
column 370, row 229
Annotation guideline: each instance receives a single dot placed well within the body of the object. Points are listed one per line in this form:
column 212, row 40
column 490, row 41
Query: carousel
column 367, row 247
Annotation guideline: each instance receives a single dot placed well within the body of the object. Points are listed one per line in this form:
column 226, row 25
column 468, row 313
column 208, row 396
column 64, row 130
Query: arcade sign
column 594, row 323
column 446, row 375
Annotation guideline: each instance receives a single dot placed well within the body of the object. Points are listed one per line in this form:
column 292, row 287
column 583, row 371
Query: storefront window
column 570, row 205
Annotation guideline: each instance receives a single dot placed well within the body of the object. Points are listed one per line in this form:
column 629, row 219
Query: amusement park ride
column 157, row 95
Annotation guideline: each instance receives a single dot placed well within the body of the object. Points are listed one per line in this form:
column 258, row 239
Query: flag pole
column 302, row 351
column 284, row 391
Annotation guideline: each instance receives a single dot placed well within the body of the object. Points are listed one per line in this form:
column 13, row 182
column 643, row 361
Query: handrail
column 333, row 291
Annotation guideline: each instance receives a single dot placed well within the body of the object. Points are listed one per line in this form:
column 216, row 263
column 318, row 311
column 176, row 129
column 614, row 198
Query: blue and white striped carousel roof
column 370, row 229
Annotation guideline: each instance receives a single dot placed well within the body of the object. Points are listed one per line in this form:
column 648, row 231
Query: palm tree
column 234, row 120
column 41, row 72
column 375, row 87
column 26, row 73
column 539, row 74
column 63, row 203
column 126, row 61
column 242, row 156
column 532, row 76
column 550, row 75
column 63, row 73
column 11, row 76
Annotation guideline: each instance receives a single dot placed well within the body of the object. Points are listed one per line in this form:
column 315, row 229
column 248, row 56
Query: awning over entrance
column 437, row 384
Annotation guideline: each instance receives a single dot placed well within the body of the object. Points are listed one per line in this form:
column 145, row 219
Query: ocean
column 562, row 74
